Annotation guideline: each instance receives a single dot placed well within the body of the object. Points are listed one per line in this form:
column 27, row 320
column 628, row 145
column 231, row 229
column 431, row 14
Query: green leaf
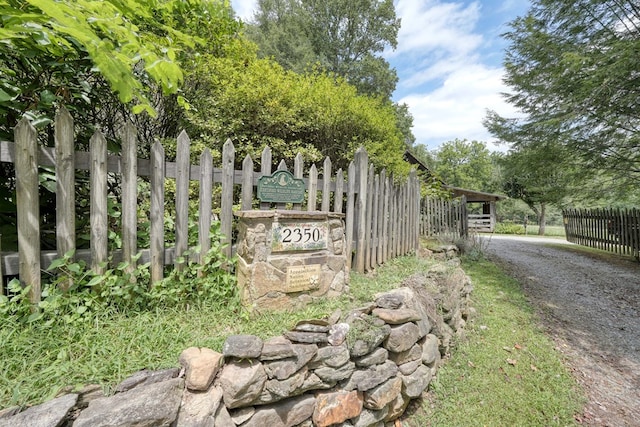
column 56, row 263
column 95, row 280
column 34, row 317
column 74, row 268
column 4, row 96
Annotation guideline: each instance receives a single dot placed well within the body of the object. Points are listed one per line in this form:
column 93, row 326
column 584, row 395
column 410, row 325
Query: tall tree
column 256, row 102
column 345, row 37
column 465, row 164
column 540, row 175
column 573, row 71
column 100, row 58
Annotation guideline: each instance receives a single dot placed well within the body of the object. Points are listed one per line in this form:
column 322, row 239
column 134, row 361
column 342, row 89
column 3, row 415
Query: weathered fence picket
column 613, row 230
column 156, row 238
column 129, row 196
column 383, row 218
column 65, row 184
column 98, row 195
column 28, row 207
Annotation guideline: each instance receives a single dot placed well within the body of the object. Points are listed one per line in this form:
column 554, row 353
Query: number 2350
column 300, row 235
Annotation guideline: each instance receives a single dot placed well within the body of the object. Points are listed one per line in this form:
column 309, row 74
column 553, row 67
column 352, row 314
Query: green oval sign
column 281, row 187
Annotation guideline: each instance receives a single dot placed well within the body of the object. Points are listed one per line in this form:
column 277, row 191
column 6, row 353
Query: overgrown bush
column 471, row 248
column 122, row 289
column 508, row 227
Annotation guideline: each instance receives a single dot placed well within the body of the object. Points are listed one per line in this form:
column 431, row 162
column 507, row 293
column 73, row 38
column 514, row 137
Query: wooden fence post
column 65, row 187
column 98, row 211
column 265, row 170
column 368, row 220
column 205, row 214
column 414, row 197
column 156, row 249
column 226, row 204
column 183, row 171
column 362, row 162
column 375, row 223
column 129, row 196
column 350, row 212
column 28, row 207
column 326, row 185
column 247, row 183
column 393, row 219
column 339, row 193
column 386, row 218
column 312, row 199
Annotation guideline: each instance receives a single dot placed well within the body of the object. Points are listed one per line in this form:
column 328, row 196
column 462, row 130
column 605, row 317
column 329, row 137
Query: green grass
column 476, row 387
column 549, row 230
column 36, row 362
column 506, row 372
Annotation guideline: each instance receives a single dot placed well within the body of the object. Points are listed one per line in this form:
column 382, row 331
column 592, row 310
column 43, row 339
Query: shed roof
column 472, row 195
column 475, row 196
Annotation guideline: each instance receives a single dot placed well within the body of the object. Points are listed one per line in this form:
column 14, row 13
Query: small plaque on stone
column 303, row 277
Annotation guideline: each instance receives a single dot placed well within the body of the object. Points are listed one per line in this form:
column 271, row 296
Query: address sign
column 281, row 187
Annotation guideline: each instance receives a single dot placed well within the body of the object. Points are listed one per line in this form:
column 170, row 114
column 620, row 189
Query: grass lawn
column 505, row 373
column 549, row 230
column 36, row 362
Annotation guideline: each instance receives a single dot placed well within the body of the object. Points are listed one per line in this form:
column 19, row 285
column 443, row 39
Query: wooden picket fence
column 382, row 217
column 444, row 218
column 613, row 230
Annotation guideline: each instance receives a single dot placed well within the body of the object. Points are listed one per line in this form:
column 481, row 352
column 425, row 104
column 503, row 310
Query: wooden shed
column 480, row 222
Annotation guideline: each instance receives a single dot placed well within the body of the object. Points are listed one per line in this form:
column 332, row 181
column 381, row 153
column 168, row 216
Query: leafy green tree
column 541, row 176
column 344, row 37
column 573, row 71
column 106, row 34
column 255, row 102
column 465, row 164
column 279, row 29
column 405, row 123
column 102, row 59
column 105, row 61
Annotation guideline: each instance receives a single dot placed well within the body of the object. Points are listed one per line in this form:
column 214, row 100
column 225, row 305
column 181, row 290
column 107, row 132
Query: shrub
column 122, row 289
column 508, row 227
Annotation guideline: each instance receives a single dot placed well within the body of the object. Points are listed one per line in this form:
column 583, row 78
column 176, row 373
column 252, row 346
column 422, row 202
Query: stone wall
column 359, row 368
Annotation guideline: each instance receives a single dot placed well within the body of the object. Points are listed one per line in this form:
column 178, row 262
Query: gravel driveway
column 591, row 308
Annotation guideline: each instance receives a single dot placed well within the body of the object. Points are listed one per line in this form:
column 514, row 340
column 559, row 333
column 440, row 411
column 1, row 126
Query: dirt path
column 591, row 308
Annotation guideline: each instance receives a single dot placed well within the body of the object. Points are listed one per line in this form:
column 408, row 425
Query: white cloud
column 444, row 79
column 434, row 25
column 456, row 109
column 244, row 8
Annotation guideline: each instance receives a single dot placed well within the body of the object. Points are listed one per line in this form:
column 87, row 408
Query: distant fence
column 382, row 218
column 614, row 230
column 445, row 218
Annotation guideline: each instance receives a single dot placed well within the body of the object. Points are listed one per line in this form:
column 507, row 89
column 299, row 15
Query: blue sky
column 449, row 64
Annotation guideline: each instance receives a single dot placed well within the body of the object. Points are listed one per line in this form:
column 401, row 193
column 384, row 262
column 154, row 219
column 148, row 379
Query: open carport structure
column 479, row 222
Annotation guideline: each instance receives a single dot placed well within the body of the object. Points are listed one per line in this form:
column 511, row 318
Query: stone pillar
column 287, row 258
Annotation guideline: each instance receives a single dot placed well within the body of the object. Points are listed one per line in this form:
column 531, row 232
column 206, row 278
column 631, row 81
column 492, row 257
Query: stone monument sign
column 287, row 258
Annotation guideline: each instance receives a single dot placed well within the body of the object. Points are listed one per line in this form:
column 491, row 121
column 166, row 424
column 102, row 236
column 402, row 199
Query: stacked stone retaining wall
column 358, row 368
